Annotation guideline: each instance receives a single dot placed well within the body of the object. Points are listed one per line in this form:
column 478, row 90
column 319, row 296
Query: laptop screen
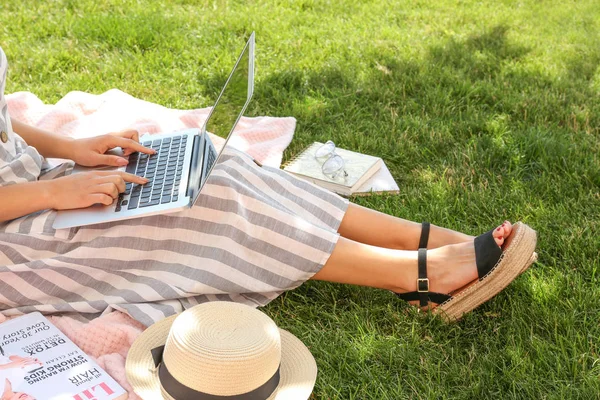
column 230, row 106
column 235, row 94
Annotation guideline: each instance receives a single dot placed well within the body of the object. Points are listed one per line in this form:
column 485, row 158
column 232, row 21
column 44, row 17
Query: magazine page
column 37, row 361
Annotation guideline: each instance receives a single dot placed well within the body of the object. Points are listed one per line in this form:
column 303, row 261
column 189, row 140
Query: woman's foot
column 452, row 267
column 439, row 237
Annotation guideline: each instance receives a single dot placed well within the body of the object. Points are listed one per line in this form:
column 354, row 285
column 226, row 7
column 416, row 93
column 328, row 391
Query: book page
column 382, row 181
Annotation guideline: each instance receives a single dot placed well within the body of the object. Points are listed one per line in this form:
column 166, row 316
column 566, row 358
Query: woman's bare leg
column 368, row 226
column 396, row 270
column 449, row 267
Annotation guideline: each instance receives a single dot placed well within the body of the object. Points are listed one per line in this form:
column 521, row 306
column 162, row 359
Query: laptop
column 182, row 164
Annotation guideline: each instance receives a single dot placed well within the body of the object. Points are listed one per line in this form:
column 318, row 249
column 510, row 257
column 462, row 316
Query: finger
column 106, row 159
column 133, row 178
column 99, row 198
column 108, row 188
column 130, row 144
column 132, row 134
column 124, row 175
column 114, row 178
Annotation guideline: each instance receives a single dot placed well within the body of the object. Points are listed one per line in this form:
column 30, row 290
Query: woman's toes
column 498, row 235
column 507, row 228
column 500, row 242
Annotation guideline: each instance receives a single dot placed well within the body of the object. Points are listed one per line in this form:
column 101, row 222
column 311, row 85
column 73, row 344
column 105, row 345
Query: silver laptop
column 183, row 162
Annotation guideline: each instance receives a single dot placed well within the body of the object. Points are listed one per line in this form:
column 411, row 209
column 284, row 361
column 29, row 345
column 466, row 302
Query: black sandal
column 496, row 268
column 423, row 294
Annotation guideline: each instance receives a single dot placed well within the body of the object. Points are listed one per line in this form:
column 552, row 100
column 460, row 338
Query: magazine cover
column 37, row 361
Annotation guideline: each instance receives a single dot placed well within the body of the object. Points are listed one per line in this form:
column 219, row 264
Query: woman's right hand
column 20, row 362
column 85, row 189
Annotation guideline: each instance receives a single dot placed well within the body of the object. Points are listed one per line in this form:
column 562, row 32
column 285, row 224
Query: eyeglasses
column 333, row 164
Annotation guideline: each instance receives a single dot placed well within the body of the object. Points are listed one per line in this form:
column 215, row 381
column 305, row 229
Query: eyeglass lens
column 333, row 167
column 333, row 164
column 326, row 151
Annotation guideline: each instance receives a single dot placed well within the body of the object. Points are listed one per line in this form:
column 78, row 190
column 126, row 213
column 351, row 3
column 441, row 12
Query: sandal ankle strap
column 423, row 294
column 425, row 227
column 422, row 280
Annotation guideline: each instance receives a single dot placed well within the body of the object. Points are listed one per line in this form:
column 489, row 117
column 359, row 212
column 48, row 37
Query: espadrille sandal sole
column 517, row 255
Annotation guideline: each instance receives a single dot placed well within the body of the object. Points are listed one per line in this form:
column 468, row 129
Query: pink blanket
column 109, row 337
column 81, row 114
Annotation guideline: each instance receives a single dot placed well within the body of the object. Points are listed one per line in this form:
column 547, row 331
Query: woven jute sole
column 517, row 255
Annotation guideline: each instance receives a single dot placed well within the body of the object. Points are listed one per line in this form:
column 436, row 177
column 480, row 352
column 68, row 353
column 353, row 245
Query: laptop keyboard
column 210, row 160
column 163, row 170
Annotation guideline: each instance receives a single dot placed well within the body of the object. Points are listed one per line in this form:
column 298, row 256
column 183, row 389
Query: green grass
column 482, row 110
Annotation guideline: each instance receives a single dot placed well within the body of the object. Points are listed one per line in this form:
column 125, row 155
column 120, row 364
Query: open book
column 37, row 361
column 361, row 168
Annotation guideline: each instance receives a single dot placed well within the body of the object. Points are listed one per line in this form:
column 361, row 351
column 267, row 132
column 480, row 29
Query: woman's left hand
column 91, row 152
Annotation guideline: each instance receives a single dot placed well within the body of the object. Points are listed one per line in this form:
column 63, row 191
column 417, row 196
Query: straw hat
column 220, row 349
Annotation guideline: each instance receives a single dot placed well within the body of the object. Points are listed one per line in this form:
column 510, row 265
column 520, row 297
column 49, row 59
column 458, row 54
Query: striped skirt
column 253, row 233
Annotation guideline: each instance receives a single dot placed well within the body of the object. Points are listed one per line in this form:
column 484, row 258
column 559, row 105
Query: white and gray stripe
column 253, row 234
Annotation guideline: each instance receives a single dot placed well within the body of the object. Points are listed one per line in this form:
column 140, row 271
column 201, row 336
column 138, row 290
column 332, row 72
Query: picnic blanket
column 80, row 114
column 109, row 337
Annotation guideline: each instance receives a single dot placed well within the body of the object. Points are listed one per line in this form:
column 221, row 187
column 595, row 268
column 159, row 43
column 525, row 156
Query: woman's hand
column 90, row 152
column 85, row 189
column 20, row 362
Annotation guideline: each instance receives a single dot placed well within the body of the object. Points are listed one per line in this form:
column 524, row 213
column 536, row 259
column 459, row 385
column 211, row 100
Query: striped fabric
column 253, row 233
column 18, row 162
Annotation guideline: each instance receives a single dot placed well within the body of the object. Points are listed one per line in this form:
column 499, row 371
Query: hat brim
column 298, row 368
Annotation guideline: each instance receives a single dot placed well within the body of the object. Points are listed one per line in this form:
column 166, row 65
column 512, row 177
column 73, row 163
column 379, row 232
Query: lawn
column 483, row 111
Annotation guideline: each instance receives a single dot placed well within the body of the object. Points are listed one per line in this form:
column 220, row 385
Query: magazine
column 37, row 361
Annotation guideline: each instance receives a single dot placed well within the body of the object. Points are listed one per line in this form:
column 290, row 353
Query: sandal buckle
column 423, row 285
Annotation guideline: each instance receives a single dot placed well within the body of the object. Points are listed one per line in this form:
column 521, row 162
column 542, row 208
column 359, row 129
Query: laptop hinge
column 195, row 167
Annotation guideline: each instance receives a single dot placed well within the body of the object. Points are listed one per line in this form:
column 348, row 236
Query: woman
column 254, row 233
